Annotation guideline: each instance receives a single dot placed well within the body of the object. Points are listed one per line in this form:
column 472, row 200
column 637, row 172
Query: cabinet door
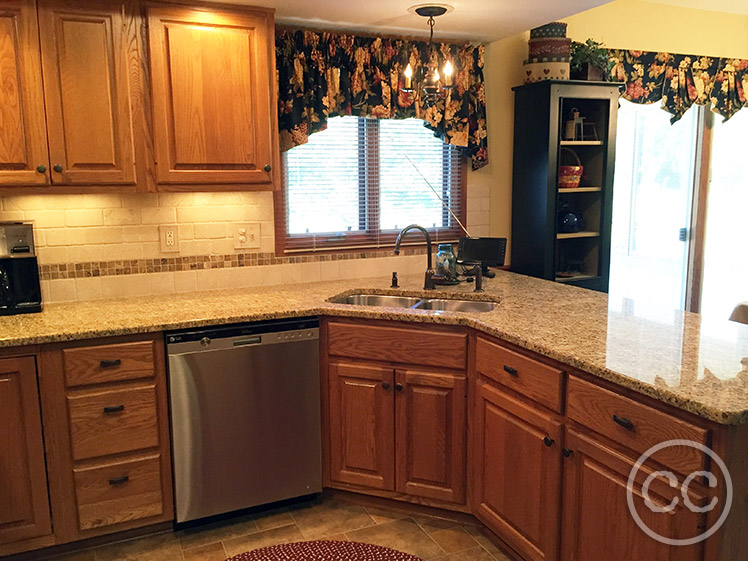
column 517, row 473
column 431, row 434
column 23, row 138
column 597, row 523
column 87, row 92
column 24, row 503
column 212, row 90
column 362, row 416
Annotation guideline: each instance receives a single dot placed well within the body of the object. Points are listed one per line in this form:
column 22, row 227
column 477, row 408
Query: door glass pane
column 651, row 203
column 725, row 251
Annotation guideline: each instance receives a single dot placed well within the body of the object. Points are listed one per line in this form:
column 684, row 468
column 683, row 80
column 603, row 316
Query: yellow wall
column 626, row 24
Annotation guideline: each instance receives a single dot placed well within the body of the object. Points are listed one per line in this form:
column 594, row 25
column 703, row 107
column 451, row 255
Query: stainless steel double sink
column 415, row 303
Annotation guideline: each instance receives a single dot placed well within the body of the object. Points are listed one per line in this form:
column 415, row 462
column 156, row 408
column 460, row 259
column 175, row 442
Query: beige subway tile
column 194, row 214
column 158, row 215
column 101, row 200
column 40, row 238
column 121, row 216
column 329, row 270
column 115, row 286
column 219, row 198
column 88, row 289
column 267, row 244
column 109, row 234
column 272, row 275
column 222, row 247
column 45, row 218
column 185, row 281
column 310, row 272
column 194, row 247
column 91, row 252
column 126, row 251
column 139, row 285
column 176, row 199
column 210, row 230
column 152, row 250
column 9, row 215
column 226, row 278
column 84, row 217
column 140, row 200
column 162, row 283
column 248, row 277
column 260, row 212
column 228, row 213
column 57, row 237
column 186, row 231
column 45, row 291
column 207, row 279
column 49, row 255
column 147, row 233
column 62, row 290
column 32, row 202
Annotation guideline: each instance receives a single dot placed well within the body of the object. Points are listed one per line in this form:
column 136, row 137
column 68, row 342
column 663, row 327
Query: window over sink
column 360, row 181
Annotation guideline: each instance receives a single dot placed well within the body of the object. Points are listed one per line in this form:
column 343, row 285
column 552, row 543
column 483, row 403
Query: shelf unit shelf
column 575, row 235
column 568, row 190
column 581, row 143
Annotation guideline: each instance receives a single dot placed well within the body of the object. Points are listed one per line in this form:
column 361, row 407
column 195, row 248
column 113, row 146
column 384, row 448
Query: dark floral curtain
column 323, row 75
column 681, row 80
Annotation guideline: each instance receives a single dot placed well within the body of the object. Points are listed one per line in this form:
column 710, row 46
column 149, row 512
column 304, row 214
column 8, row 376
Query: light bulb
column 448, row 73
column 408, row 75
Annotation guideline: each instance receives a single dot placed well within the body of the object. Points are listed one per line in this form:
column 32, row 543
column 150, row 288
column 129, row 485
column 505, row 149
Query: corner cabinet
column 214, row 109
column 66, row 98
column 541, row 246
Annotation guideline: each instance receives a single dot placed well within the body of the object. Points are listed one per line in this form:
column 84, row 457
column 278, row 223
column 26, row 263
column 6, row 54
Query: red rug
column 324, row 551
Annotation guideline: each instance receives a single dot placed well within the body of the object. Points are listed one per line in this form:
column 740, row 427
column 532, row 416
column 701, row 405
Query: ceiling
column 475, row 20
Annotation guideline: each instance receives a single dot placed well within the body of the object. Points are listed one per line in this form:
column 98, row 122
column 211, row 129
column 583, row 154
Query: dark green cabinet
column 542, row 143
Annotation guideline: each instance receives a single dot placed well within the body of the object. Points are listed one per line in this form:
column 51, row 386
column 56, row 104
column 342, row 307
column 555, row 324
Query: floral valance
column 681, row 80
column 323, row 75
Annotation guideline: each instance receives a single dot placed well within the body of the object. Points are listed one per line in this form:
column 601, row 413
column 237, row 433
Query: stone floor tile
column 381, row 515
column 431, row 525
column 275, row 536
column 454, row 539
column 86, row 555
column 160, row 547
column 474, row 554
column 214, row 532
column 329, row 518
column 210, row 552
column 273, row 518
column 404, row 535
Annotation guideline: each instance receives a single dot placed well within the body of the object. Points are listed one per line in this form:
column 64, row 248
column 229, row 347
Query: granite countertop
column 676, row 357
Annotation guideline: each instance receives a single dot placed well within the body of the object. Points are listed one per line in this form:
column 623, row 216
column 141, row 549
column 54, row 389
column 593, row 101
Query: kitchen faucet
column 428, row 283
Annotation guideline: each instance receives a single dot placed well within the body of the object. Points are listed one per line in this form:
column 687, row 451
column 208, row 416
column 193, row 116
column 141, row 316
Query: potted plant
column 589, row 61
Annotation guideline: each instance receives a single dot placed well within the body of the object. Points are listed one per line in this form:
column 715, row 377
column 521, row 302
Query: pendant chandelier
column 432, row 85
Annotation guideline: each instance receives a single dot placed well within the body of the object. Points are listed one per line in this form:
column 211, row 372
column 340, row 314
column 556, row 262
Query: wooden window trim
column 363, row 242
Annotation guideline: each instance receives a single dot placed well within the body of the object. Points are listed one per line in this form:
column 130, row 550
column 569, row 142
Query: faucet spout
column 429, row 280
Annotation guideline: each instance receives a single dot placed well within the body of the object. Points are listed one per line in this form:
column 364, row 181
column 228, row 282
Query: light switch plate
column 246, row 236
column 169, row 236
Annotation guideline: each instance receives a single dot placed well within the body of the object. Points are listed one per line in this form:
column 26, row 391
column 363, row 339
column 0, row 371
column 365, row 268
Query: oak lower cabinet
column 597, row 523
column 517, row 472
column 24, row 500
column 395, row 429
column 214, row 109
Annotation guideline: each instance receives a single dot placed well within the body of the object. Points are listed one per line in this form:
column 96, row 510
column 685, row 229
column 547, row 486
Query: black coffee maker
column 20, row 291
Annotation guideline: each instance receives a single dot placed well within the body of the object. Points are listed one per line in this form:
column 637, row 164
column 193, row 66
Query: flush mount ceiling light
column 432, row 84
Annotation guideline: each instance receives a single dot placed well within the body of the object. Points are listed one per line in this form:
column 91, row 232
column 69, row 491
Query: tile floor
column 429, row 538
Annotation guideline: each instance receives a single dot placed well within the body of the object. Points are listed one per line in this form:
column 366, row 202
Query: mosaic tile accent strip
column 56, row 271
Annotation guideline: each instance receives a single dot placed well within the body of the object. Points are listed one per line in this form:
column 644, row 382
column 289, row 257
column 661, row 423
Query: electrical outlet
column 169, row 236
column 247, row 236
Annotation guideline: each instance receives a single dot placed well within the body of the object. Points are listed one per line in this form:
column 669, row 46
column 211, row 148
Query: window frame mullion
column 372, row 177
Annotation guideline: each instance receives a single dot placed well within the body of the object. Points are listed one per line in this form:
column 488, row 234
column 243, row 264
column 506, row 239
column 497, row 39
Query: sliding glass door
column 652, row 195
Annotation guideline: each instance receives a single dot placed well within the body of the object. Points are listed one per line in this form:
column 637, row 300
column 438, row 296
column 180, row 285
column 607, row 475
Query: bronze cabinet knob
column 267, row 167
column 41, row 168
column 58, row 168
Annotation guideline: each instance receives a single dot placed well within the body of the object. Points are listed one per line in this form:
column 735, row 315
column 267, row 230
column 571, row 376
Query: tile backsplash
column 93, row 246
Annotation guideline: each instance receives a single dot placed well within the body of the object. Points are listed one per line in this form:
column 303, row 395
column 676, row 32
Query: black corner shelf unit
column 541, row 111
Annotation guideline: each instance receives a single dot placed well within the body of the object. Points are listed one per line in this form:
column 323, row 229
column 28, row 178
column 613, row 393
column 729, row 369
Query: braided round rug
column 324, row 551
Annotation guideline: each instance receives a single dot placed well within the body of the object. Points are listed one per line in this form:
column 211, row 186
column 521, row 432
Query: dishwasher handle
column 248, row 341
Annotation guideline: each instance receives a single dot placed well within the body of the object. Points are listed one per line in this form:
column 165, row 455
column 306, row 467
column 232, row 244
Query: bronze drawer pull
column 119, row 480
column 566, row 453
column 386, row 385
column 511, row 370
column 548, row 441
column 110, row 363
column 113, row 409
column 624, row 422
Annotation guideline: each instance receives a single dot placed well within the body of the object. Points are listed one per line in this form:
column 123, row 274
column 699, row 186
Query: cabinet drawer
column 118, row 492
column 108, row 363
column 413, row 345
column 531, row 378
column 636, row 426
column 112, row 422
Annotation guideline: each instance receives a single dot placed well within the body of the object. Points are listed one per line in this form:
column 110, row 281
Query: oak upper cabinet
column 23, row 140
column 431, row 434
column 517, row 472
column 213, row 81
column 85, row 55
column 362, row 424
column 24, row 501
column 597, row 523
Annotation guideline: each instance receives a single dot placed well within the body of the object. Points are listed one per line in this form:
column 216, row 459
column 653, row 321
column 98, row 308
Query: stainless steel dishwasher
column 245, row 415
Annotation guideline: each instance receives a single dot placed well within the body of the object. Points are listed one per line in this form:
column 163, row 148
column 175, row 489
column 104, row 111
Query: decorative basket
column 569, row 177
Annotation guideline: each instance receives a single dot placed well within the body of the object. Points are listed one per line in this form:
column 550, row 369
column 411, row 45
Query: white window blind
column 359, row 182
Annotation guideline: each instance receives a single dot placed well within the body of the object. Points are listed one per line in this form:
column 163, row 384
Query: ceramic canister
column 550, row 47
column 538, row 71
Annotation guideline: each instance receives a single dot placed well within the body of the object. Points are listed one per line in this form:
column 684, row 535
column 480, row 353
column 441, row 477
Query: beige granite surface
column 679, row 358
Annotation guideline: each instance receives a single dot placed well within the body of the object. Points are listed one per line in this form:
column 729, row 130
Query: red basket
column 569, row 177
